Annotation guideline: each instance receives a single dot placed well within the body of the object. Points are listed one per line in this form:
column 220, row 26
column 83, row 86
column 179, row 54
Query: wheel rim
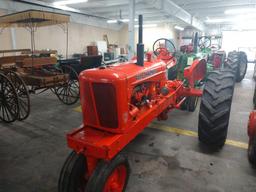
column 116, row 181
column 9, row 104
column 23, row 95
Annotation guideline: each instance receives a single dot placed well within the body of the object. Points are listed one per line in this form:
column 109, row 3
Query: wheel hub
column 116, row 180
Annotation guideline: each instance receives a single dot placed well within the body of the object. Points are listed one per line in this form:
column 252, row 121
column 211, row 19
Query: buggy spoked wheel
column 73, row 174
column 23, row 95
column 68, row 92
column 9, row 103
column 110, row 176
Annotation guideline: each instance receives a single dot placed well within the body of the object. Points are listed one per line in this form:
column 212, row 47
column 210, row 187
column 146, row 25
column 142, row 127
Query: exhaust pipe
column 196, row 41
column 140, row 45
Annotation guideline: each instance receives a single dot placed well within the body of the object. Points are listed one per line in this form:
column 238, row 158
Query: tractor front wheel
column 73, row 174
column 215, row 108
column 252, row 151
column 110, row 176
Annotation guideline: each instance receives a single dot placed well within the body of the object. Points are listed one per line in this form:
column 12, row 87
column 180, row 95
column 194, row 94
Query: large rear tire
column 215, row 108
column 239, row 61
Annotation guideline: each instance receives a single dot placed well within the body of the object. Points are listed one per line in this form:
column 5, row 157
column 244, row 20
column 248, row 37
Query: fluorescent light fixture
column 219, row 20
column 66, row 8
column 179, row 28
column 240, row 11
column 112, row 21
column 121, row 20
column 67, row 2
column 125, row 20
column 146, row 25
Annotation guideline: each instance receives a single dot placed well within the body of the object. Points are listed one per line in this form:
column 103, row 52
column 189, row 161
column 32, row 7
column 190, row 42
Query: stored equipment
column 31, row 70
column 119, row 101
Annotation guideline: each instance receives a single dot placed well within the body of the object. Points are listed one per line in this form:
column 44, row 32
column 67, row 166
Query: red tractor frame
column 119, row 101
column 252, row 138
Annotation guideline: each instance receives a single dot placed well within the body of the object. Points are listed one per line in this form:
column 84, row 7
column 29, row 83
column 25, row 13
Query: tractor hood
column 121, row 71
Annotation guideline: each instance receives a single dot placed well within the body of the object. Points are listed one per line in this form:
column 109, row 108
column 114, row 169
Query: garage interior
column 166, row 155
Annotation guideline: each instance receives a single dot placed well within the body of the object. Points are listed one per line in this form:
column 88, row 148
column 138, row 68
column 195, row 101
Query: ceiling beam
column 219, row 6
column 116, row 8
column 125, row 14
column 172, row 9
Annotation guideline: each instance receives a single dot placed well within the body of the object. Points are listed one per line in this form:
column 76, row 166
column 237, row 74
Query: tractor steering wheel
column 163, row 46
column 204, row 42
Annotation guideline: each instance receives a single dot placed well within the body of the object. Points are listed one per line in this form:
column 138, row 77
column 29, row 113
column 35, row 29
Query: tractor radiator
column 104, row 100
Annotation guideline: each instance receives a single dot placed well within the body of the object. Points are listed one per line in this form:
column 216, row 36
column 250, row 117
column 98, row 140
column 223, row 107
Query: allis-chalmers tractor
column 119, row 101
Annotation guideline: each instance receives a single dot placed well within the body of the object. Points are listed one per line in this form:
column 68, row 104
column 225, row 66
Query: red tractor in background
column 252, row 138
column 251, row 129
column 120, row 100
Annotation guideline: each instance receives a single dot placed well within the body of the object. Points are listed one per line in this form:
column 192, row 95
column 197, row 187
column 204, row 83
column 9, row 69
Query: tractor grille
column 106, row 106
column 90, row 115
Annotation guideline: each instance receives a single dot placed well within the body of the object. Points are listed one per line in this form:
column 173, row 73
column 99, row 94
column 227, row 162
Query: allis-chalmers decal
column 146, row 74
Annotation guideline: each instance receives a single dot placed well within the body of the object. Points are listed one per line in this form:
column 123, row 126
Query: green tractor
column 209, row 48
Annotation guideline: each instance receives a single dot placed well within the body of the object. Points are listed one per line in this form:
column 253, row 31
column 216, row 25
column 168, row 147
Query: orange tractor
column 120, row 100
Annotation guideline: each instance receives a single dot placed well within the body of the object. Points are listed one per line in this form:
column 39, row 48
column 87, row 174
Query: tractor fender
column 195, row 72
column 252, row 124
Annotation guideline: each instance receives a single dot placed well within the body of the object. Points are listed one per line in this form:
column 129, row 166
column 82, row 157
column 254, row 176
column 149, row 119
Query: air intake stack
column 140, row 45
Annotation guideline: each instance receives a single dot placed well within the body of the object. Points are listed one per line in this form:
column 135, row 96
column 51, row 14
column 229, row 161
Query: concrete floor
column 32, row 152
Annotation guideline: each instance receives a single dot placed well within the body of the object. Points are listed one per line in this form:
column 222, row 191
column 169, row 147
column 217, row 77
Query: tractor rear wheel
column 252, row 151
column 73, row 174
column 239, row 64
column 190, row 104
column 254, row 97
column 215, row 108
column 110, row 176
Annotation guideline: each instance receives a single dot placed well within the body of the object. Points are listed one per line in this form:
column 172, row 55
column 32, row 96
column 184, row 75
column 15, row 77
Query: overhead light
column 120, row 20
column 146, row 25
column 124, row 20
column 112, row 21
column 67, row 2
column 219, row 20
column 179, row 28
column 66, row 8
column 240, row 11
